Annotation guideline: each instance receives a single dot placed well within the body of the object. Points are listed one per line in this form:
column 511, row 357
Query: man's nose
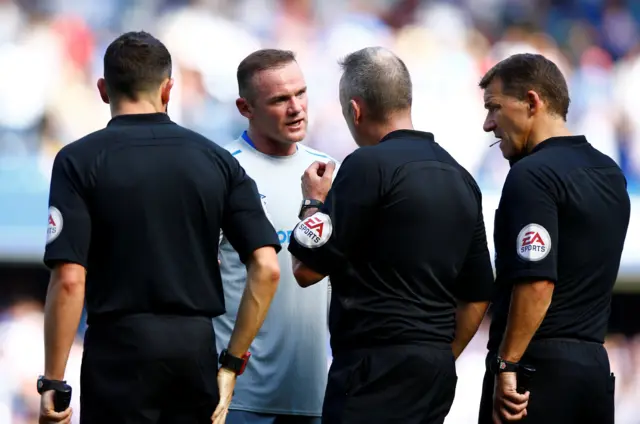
column 295, row 106
column 489, row 125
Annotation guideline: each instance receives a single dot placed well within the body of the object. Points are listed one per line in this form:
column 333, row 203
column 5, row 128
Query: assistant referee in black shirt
column 559, row 232
column 401, row 235
column 138, row 207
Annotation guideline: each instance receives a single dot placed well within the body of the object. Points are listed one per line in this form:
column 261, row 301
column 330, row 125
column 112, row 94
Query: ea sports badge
column 314, row 231
column 533, row 243
column 54, row 228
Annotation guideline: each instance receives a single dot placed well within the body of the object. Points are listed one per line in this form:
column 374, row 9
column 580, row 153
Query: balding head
column 379, row 79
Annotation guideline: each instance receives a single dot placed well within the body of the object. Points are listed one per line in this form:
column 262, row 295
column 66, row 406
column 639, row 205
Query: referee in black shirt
column 135, row 213
column 559, row 232
column 401, row 234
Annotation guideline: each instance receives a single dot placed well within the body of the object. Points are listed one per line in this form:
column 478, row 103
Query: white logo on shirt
column 263, row 199
column 314, row 231
column 533, row 243
column 54, row 227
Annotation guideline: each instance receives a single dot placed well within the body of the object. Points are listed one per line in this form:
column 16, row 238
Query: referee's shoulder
column 219, row 154
column 531, row 166
column 191, row 136
column 537, row 173
column 84, row 147
column 369, row 153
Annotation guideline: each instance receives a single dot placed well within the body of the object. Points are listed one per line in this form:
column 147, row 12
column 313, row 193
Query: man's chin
column 507, row 152
column 296, row 137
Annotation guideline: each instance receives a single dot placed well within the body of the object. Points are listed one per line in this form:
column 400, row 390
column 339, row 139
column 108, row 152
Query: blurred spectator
column 22, row 360
column 55, row 50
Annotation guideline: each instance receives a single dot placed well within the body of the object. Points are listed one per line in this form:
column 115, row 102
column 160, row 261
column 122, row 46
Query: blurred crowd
column 51, row 56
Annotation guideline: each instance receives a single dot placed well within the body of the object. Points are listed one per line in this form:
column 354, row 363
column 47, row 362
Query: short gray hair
column 379, row 78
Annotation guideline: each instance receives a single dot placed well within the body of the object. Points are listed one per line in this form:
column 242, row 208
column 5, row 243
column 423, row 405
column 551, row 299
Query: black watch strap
column 307, row 204
column 233, row 363
column 505, row 366
column 44, row 385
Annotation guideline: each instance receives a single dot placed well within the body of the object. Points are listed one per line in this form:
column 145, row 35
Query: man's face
column 508, row 118
column 279, row 104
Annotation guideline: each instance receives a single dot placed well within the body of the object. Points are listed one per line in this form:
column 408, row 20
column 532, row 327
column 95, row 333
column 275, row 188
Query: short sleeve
column 528, row 208
column 326, row 239
column 474, row 283
column 245, row 223
column 69, row 221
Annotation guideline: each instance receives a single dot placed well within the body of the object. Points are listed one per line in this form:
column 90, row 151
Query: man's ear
column 356, row 111
column 165, row 94
column 534, row 101
column 244, row 107
column 102, row 89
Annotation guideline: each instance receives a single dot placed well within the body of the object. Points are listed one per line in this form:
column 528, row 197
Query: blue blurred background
column 51, row 56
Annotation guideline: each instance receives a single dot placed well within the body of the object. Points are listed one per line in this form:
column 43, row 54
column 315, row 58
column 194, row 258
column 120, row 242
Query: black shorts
column 572, row 384
column 397, row 384
column 146, row 369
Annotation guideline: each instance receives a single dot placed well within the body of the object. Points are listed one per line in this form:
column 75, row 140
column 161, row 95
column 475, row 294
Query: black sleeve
column 530, row 214
column 475, row 280
column 69, row 226
column 245, row 223
column 324, row 240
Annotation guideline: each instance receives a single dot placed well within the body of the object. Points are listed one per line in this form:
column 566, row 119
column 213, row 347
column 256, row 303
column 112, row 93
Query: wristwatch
column 233, row 363
column 505, row 366
column 308, row 204
column 44, row 385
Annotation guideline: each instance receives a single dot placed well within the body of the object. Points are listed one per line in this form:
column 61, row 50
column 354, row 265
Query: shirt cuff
column 515, row 276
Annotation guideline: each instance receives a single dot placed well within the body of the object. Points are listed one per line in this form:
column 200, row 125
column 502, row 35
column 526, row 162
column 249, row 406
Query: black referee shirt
column 562, row 217
column 402, row 237
column 140, row 204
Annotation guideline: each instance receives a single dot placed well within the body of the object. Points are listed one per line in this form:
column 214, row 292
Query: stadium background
column 50, row 58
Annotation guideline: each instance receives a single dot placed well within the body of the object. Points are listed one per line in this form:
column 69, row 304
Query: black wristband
column 505, row 366
column 44, row 385
column 308, row 204
column 232, row 363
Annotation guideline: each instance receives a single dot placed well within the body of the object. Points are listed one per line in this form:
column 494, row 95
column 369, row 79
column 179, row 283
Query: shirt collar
column 247, row 139
column 140, row 119
column 560, row 141
column 572, row 140
column 408, row 134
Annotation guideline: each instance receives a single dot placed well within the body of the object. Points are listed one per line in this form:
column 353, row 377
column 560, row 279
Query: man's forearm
column 262, row 283
column 469, row 316
column 62, row 313
column 304, row 275
column 529, row 305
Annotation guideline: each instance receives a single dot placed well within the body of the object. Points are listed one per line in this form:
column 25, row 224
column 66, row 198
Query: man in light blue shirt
column 285, row 378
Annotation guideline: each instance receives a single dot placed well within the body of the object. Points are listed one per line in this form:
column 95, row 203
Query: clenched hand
column 508, row 404
column 47, row 413
column 317, row 179
column 226, row 384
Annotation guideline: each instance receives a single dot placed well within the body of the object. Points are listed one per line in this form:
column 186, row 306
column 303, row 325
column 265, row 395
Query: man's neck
column 554, row 127
column 394, row 123
column 134, row 108
column 269, row 146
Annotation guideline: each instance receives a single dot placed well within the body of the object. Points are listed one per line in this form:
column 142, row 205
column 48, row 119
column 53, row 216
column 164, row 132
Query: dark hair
column 257, row 61
column 523, row 72
column 379, row 78
column 134, row 63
